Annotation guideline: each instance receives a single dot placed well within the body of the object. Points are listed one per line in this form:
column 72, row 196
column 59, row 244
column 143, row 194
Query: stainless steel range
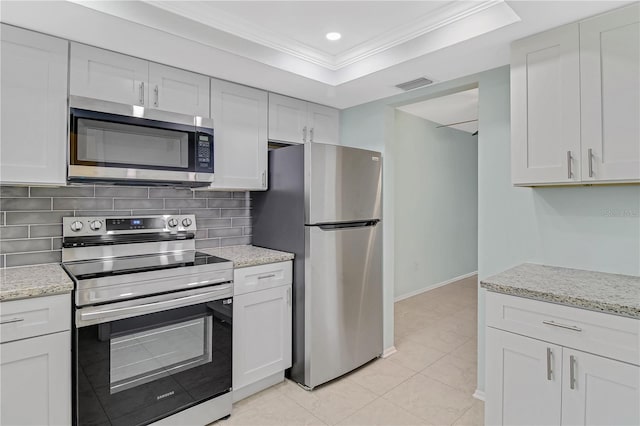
column 153, row 322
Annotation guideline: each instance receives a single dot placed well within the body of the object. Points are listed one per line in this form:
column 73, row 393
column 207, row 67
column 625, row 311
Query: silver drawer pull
column 572, row 372
column 557, row 324
column 549, row 368
column 12, row 320
column 264, row 277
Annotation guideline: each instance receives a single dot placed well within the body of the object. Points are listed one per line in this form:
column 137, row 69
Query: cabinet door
column 109, row 76
column 324, row 124
column 287, row 119
column 240, row 119
column 545, row 108
column 610, row 95
column 261, row 334
column 176, row 90
column 599, row 391
column 36, row 381
column 523, row 380
column 33, row 135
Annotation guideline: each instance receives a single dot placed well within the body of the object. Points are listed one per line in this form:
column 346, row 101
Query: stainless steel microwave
column 129, row 144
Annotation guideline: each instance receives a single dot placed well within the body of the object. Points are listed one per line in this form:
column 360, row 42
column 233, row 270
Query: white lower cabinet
column 35, row 372
column 535, row 382
column 261, row 330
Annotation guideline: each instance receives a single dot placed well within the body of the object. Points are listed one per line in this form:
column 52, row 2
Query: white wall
column 587, row 227
column 436, row 204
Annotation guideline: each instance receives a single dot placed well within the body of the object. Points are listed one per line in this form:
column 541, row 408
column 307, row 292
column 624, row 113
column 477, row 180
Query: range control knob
column 186, row 222
column 95, row 225
column 76, row 226
column 172, row 222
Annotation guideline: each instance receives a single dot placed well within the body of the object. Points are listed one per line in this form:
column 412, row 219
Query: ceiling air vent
column 414, row 84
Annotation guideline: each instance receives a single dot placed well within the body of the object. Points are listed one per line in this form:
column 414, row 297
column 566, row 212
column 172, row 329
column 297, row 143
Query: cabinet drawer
column 599, row 333
column 36, row 316
column 254, row 278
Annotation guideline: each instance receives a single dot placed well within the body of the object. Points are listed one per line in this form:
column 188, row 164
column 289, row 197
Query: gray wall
column 31, row 217
column 436, row 202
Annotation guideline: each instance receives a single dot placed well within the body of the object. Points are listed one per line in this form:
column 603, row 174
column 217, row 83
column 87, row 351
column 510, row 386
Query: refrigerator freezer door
column 343, row 299
column 342, row 184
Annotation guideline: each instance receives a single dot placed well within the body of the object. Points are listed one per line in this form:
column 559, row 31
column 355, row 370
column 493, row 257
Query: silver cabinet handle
column 572, row 372
column 569, row 173
column 155, row 92
column 142, row 93
column 557, row 324
column 12, row 320
column 311, row 135
column 264, row 277
column 304, row 134
column 264, row 179
column 549, row 368
column 289, row 296
column 590, row 159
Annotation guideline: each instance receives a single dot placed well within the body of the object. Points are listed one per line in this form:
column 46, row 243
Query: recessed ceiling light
column 334, row 36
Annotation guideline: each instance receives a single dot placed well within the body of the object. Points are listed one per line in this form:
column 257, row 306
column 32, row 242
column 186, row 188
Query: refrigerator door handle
column 346, row 225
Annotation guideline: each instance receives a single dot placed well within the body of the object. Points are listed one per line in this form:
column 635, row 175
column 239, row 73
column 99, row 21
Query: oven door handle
column 97, row 315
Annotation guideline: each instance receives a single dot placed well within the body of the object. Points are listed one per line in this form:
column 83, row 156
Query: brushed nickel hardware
column 289, row 296
column 264, row 277
column 311, row 135
column 12, row 320
column 590, row 158
column 155, row 92
column 142, row 93
column 557, row 324
column 549, row 369
column 572, row 372
column 569, row 173
column 304, row 134
column 264, row 179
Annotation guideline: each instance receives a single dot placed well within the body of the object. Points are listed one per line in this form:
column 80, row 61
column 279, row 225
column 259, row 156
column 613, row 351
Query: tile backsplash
column 31, row 216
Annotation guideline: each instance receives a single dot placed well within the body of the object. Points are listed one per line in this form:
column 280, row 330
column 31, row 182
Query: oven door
column 139, row 369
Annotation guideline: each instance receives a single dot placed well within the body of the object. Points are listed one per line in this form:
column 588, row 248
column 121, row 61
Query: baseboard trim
column 434, row 286
column 389, row 351
column 478, row 394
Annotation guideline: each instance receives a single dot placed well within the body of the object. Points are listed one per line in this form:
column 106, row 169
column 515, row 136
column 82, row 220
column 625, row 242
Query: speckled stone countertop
column 31, row 281
column 243, row 256
column 596, row 291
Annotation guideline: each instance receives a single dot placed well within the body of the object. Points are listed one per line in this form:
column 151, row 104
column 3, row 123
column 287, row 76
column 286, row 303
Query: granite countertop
column 31, row 281
column 597, row 291
column 243, row 256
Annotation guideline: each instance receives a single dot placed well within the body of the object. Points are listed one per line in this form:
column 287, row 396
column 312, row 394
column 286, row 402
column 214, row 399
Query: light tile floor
column 428, row 381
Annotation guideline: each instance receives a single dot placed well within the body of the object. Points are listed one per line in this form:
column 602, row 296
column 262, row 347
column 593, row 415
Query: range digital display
column 135, row 223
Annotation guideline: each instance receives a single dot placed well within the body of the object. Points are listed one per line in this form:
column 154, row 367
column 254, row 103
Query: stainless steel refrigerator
column 324, row 204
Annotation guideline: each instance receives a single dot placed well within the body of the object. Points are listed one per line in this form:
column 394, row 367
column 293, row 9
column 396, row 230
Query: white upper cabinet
column 296, row 121
column 324, row 124
column 240, row 120
column 176, row 90
column 33, row 135
column 102, row 74
column 545, row 108
column 575, row 102
column 109, row 76
column 610, row 95
column 287, row 119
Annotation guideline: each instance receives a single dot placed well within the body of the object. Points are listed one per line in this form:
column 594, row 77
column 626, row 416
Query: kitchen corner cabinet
column 35, row 361
column 297, row 121
column 109, row 76
column 262, row 327
column 240, row 119
column 575, row 102
column 577, row 367
column 33, row 135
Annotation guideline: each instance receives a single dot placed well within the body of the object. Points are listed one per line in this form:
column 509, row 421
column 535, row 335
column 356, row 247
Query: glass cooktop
column 87, row 269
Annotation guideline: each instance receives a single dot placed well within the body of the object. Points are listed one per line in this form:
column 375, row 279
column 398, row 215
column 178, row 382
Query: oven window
column 145, row 356
column 117, row 143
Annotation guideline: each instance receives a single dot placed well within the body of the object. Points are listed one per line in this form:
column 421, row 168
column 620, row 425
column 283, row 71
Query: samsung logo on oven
column 164, row 395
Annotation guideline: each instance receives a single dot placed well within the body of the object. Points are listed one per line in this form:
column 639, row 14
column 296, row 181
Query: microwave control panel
column 204, row 152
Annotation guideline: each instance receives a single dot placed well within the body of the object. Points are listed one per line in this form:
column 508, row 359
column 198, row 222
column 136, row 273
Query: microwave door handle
column 90, row 317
